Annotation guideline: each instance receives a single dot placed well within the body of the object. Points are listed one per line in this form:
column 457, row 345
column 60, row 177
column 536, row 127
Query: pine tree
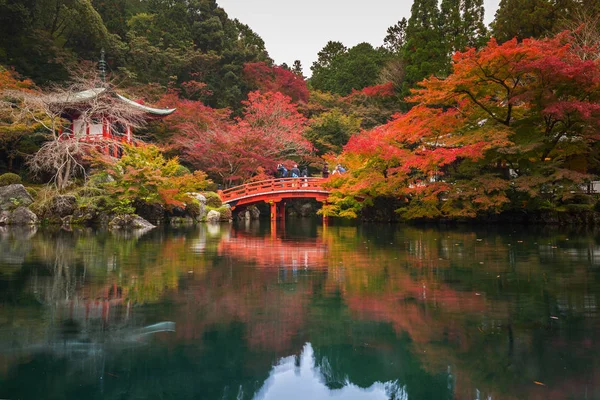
column 396, row 37
column 530, row 18
column 473, row 28
column 297, row 68
column 461, row 22
column 424, row 53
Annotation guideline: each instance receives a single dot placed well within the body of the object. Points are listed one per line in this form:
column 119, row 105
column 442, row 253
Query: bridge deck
column 276, row 189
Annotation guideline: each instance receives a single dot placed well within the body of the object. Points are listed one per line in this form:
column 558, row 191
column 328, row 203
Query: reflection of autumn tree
column 481, row 300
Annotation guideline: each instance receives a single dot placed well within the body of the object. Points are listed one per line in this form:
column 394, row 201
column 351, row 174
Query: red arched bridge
column 275, row 192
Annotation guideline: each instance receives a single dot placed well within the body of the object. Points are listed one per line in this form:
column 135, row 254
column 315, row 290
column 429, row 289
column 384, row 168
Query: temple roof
column 90, row 94
column 150, row 110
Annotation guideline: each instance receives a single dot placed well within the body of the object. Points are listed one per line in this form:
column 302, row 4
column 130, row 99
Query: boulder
column 4, row 215
column 14, row 196
column 155, row 212
column 254, row 213
column 306, row 210
column 197, row 196
column 127, row 221
column 22, row 216
column 62, row 205
column 202, row 212
column 226, row 213
column 84, row 216
column 244, row 215
column 213, row 217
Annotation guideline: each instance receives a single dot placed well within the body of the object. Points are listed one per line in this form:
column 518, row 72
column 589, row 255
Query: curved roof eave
column 150, row 110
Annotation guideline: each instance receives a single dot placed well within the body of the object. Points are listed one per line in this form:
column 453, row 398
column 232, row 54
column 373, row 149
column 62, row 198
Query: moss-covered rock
column 9, row 179
column 14, row 196
column 213, row 200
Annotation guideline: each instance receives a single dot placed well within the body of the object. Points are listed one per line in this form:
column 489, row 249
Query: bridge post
column 282, row 210
column 273, row 210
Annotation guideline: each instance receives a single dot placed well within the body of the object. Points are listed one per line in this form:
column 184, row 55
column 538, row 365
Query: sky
column 298, row 30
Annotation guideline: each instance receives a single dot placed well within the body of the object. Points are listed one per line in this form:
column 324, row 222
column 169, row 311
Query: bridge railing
column 273, row 185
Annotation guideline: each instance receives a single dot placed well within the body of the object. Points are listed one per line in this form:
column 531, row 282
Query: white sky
column 299, row 29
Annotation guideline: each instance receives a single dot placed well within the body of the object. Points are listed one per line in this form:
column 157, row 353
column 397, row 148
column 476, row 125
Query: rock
column 155, row 213
column 14, row 196
column 197, row 196
column 63, row 205
column 213, row 217
column 254, row 213
column 226, row 213
column 201, row 212
column 104, row 218
column 22, row 216
column 127, row 221
column 306, row 210
column 84, row 216
column 244, row 216
column 4, row 215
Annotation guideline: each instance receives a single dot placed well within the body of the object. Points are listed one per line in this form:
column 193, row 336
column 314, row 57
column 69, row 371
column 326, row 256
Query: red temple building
column 91, row 123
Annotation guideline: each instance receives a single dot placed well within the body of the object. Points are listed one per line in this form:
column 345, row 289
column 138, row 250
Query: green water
column 235, row 312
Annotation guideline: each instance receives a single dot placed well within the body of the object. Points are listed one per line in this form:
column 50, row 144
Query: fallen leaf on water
column 539, row 383
column 553, row 317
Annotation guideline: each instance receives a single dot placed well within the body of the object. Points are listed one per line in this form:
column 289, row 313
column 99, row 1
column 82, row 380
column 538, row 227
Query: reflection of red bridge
column 276, row 252
column 274, row 192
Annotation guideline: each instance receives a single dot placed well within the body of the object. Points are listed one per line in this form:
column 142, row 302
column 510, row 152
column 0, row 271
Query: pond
column 307, row 312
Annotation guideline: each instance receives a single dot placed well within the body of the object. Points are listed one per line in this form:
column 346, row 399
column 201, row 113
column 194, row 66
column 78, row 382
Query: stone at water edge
column 213, row 217
column 14, row 196
column 22, row 216
column 227, row 213
column 4, row 216
column 254, row 212
column 63, row 205
column 129, row 222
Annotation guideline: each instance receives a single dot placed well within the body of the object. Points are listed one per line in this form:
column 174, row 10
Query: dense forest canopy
column 522, row 129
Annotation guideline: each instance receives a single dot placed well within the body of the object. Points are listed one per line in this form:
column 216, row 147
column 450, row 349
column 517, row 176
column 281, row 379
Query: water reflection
column 341, row 311
column 299, row 378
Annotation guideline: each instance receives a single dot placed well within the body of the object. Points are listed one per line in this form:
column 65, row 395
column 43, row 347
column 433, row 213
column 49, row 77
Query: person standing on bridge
column 304, row 174
column 295, row 172
column 282, row 171
column 325, row 171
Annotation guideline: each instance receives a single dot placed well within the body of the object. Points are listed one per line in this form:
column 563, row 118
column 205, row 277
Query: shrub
column 193, row 208
column 212, row 199
column 9, row 179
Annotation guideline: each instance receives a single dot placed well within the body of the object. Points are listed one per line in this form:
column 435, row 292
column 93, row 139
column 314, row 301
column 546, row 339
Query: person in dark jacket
column 295, row 172
column 282, row 171
column 325, row 171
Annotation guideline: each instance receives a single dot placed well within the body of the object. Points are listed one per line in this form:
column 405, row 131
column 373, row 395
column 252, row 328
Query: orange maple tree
column 514, row 124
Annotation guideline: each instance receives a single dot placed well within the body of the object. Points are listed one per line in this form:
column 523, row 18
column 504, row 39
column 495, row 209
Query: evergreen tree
column 297, row 68
column 424, row 52
column 341, row 72
column 530, row 18
column 473, row 28
column 396, row 37
column 461, row 23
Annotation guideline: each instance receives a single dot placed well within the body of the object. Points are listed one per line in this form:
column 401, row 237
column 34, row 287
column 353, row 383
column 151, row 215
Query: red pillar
column 282, row 210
